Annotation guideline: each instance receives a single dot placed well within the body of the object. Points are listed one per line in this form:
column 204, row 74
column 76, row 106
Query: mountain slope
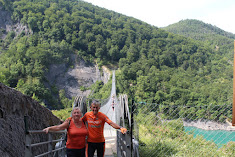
column 193, row 28
column 164, row 68
column 207, row 33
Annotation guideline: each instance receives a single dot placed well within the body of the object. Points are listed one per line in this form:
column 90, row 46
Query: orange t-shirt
column 76, row 137
column 96, row 126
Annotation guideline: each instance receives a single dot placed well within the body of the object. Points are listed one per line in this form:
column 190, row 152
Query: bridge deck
column 110, row 133
column 110, row 142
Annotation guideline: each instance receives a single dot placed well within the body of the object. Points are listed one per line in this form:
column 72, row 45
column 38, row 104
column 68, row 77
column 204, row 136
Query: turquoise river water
column 220, row 137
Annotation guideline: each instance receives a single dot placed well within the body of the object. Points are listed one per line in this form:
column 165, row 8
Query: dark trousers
column 75, row 152
column 92, row 147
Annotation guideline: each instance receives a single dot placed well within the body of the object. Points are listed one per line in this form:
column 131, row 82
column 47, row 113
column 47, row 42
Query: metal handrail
column 53, row 151
column 41, row 131
column 128, row 144
column 29, row 145
column 46, row 142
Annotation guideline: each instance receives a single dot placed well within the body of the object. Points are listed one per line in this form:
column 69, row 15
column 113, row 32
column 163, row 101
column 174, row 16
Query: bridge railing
column 127, row 144
column 170, row 130
column 39, row 144
column 51, row 149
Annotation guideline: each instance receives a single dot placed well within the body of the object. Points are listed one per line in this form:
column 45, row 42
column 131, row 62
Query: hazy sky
column 161, row 13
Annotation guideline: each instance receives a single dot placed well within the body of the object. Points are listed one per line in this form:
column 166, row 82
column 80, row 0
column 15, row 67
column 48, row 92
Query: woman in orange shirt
column 76, row 133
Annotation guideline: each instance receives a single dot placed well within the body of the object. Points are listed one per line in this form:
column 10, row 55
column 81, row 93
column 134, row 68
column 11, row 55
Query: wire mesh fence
column 165, row 130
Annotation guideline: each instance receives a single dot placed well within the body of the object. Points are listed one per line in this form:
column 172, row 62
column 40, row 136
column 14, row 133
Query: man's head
column 95, row 106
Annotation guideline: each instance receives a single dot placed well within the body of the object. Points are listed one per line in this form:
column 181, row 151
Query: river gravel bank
column 210, row 125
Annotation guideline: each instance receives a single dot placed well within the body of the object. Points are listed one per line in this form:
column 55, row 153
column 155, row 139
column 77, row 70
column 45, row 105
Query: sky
column 161, row 13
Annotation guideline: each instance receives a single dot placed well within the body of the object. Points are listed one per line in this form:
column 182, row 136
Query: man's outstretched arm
column 116, row 126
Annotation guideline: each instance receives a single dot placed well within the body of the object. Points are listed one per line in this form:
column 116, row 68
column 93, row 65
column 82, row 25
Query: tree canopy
column 163, row 67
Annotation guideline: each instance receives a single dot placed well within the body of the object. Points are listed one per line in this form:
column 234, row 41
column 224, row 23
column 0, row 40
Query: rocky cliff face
column 71, row 79
column 13, row 107
column 7, row 24
column 5, row 19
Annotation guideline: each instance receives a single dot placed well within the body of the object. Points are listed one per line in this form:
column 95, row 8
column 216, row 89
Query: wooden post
column 233, row 121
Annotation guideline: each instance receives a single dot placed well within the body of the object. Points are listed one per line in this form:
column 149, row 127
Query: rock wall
column 5, row 19
column 7, row 25
column 13, row 107
column 71, row 79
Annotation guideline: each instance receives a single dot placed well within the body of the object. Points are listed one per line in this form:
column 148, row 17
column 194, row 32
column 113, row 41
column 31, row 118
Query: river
column 220, row 137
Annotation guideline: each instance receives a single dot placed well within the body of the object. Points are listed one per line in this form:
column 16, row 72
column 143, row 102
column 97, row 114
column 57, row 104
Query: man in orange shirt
column 95, row 123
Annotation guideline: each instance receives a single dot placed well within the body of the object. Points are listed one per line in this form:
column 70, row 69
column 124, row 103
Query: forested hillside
column 213, row 36
column 163, row 67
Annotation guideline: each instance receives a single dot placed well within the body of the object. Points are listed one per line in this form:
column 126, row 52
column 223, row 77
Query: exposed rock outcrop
column 71, row 79
column 13, row 107
column 5, row 19
column 7, row 24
